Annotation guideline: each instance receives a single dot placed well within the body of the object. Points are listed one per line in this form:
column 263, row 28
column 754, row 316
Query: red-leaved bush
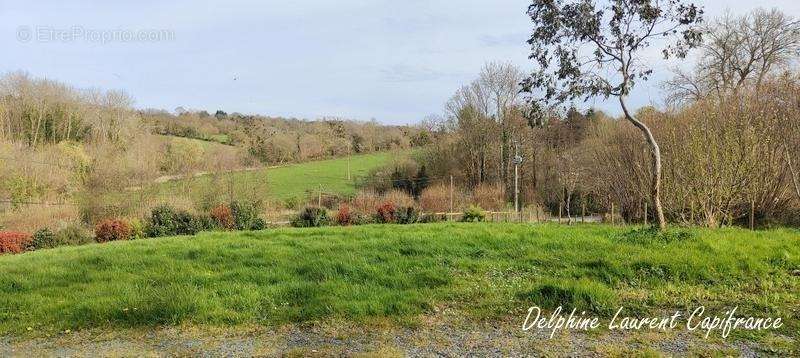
column 386, row 212
column 344, row 216
column 12, row 242
column 223, row 216
column 112, row 230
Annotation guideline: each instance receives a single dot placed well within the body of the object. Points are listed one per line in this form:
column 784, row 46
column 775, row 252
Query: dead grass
column 30, row 218
column 489, row 196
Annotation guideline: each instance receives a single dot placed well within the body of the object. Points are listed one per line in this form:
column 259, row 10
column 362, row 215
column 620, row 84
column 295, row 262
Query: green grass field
column 488, row 271
column 281, row 183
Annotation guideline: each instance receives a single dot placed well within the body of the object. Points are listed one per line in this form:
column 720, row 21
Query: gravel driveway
column 445, row 334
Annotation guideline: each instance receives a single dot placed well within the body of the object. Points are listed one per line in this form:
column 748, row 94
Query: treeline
column 61, row 147
column 40, row 111
column 730, row 141
column 275, row 140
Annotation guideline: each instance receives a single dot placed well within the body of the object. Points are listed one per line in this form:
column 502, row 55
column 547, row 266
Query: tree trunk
column 655, row 151
column 568, row 194
column 791, row 171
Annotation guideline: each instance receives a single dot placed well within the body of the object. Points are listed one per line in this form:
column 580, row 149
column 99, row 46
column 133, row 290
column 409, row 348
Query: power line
column 18, row 202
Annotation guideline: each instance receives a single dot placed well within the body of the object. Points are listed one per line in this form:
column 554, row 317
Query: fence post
column 451, row 193
column 752, row 214
column 612, row 213
column 645, row 213
column 319, row 196
column 583, row 211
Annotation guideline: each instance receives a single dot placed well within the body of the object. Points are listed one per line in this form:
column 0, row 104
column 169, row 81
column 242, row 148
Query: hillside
column 483, row 271
column 286, row 182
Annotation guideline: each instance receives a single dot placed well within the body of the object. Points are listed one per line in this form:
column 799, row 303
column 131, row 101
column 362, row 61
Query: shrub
column 406, row 215
column 162, row 222
column 207, row 222
column 311, row 216
column 474, row 214
column 137, row 230
column 73, row 235
column 245, row 215
column 166, row 221
column 385, row 213
column 351, row 217
column 223, row 216
column 187, row 224
column 112, row 230
column 435, row 199
column 399, row 198
column 330, row 201
column 291, row 202
column 13, row 242
column 361, row 219
column 489, row 196
column 344, row 216
column 258, row 224
column 43, row 239
column 366, row 201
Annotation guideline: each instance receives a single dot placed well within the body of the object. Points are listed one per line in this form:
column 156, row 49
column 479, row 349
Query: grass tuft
column 649, row 235
column 583, row 295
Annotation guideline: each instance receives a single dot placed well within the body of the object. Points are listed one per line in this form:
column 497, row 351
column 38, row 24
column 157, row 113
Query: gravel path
column 443, row 335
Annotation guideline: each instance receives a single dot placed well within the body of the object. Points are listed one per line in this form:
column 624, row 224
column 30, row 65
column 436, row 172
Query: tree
column 615, row 33
column 494, row 96
column 220, row 114
column 499, row 82
column 738, row 52
column 421, row 182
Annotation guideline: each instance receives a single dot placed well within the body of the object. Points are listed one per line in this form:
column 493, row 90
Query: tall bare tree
column 500, row 82
column 586, row 49
column 737, row 52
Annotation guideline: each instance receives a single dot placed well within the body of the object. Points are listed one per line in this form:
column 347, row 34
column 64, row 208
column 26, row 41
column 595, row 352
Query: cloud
column 502, row 40
column 407, row 73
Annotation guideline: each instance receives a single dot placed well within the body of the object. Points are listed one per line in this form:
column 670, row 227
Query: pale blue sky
column 395, row 61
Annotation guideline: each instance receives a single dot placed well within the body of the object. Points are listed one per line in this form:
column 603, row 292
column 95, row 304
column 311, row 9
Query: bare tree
column 500, row 82
column 482, row 111
column 738, row 52
column 587, row 49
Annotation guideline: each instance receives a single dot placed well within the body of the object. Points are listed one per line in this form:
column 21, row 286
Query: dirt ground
column 445, row 334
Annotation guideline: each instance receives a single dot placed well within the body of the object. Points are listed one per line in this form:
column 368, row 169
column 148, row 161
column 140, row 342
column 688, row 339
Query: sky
column 393, row 61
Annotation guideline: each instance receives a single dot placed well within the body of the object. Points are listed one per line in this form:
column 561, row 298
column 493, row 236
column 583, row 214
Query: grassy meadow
column 487, row 270
column 289, row 182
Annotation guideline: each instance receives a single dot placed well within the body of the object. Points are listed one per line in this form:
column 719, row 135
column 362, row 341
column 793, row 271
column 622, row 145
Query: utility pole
column 451, row 194
column 517, row 162
column 349, row 154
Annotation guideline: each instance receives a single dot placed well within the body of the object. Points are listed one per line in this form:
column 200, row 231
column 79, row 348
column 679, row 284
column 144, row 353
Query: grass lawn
column 487, row 270
column 281, row 183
